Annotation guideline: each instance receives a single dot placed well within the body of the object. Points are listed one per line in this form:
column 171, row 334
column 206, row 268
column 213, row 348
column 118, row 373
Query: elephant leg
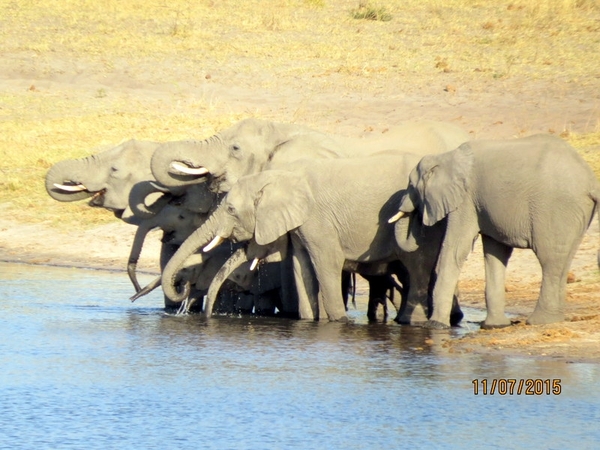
column 346, row 285
column 550, row 307
column 328, row 264
column 496, row 257
column 412, row 311
column 378, row 287
column 306, row 283
column 457, row 246
column 289, row 294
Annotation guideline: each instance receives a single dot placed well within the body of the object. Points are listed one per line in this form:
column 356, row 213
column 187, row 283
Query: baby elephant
column 535, row 192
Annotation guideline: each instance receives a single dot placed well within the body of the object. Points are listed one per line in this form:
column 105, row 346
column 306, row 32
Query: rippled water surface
column 82, row 367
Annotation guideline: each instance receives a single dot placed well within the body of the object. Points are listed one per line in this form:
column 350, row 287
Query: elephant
column 334, row 211
column 534, row 192
column 105, row 178
column 253, row 145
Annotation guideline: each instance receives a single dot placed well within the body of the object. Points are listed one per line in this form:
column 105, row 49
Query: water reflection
column 85, row 368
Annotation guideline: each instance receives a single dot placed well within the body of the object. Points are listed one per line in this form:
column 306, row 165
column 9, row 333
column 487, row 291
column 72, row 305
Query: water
column 82, row 367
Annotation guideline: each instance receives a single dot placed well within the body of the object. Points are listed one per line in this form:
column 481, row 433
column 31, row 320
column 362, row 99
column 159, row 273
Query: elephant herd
column 303, row 210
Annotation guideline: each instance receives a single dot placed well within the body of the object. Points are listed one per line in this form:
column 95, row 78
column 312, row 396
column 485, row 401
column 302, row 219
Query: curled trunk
column 69, row 172
column 197, row 239
column 171, row 155
column 239, row 257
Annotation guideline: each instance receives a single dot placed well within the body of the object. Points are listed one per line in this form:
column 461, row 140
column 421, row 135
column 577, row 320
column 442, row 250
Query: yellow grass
column 316, row 40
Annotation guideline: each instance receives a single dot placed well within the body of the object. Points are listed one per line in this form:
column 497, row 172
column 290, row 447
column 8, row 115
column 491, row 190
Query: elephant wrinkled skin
column 534, row 192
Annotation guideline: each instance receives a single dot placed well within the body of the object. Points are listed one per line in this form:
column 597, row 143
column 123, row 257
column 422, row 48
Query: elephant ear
column 443, row 182
column 281, row 205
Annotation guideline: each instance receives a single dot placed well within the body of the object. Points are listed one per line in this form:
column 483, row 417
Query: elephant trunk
column 134, row 254
column 197, row 239
column 239, row 257
column 178, row 163
column 146, row 290
column 67, row 181
column 405, row 232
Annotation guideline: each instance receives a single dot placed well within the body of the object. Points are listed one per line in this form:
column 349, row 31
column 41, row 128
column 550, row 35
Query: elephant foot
column 435, row 325
column 494, row 326
column 493, row 321
column 541, row 317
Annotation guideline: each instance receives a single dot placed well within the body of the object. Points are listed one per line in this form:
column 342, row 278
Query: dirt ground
column 494, row 109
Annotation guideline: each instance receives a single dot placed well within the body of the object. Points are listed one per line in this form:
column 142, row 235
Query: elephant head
column 106, row 178
column 262, row 207
column 243, row 149
column 438, row 185
column 147, row 199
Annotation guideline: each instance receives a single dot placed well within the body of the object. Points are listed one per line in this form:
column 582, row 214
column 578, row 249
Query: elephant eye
column 235, row 147
column 230, row 210
column 180, row 217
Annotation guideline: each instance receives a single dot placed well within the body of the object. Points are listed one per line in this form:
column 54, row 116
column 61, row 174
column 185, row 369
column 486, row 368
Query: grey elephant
column 534, row 192
column 253, row 145
column 329, row 221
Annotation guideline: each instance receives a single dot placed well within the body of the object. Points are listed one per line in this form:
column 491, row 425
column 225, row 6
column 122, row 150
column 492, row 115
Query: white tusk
column 399, row 215
column 255, row 262
column 159, row 187
column 188, row 170
column 214, row 243
column 70, row 188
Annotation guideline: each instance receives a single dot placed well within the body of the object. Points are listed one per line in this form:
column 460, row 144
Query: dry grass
column 316, row 40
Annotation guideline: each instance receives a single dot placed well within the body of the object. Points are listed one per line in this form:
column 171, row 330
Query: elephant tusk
column 188, row 170
column 214, row 243
column 255, row 262
column 160, row 188
column 399, row 215
column 70, row 188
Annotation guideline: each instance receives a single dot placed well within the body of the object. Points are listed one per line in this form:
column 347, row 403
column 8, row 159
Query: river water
column 83, row 368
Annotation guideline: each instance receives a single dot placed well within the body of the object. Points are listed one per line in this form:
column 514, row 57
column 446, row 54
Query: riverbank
column 576, row 339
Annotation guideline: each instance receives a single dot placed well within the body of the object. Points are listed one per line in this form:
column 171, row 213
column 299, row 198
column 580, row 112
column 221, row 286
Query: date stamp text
column 514, row 386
